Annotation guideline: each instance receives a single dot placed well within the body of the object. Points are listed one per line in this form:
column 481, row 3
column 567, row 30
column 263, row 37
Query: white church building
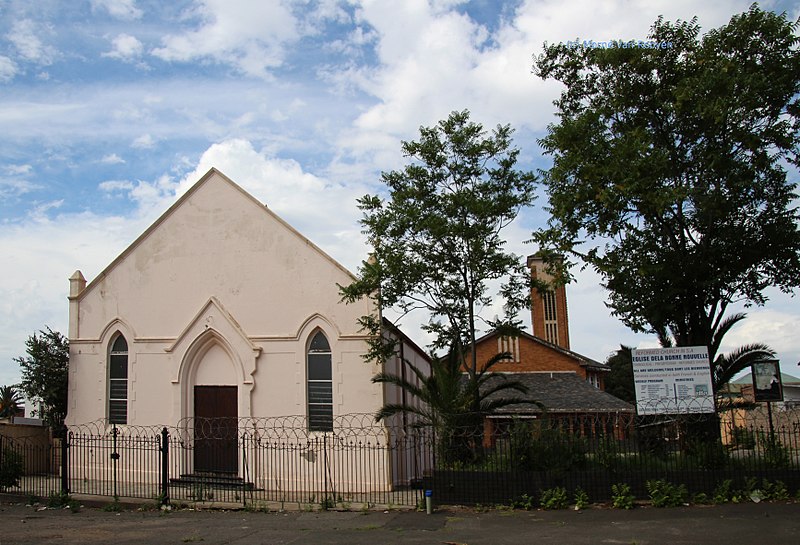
column 221, row 309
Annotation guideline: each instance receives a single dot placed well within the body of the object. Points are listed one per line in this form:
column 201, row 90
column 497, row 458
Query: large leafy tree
column 45, row 372
column 669, row 172
column 437, row 235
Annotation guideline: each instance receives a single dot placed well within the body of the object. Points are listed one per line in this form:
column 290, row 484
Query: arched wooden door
column 215, row 429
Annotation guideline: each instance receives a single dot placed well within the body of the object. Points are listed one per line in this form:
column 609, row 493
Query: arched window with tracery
column 118, row 381
column 319, row 379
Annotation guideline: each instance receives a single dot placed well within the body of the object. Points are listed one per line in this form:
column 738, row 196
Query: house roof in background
column 559, row 392
column 785, row 379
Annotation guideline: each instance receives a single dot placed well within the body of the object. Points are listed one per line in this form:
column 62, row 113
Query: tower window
column 550, row 317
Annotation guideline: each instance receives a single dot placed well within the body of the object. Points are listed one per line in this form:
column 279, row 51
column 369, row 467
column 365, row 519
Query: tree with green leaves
column 436, row 237
column 10, row 400
column 619, row 382
column 45, row 373
column 669, row 172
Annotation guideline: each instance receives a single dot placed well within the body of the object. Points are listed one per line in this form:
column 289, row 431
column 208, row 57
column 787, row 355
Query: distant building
column 561, row 383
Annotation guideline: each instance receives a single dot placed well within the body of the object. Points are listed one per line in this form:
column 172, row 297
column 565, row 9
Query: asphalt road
column 744, row 524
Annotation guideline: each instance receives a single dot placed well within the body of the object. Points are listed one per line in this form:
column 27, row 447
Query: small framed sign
column 767, row 384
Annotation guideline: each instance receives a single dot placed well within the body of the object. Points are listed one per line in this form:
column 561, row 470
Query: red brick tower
column 548, row 310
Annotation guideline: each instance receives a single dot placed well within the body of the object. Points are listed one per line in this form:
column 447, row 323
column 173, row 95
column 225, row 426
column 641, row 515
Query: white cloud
column 24, row 36
column 125, row 48
column 144, row 141
column 433, row 61
column 40, row 212
column 250, row 36
column 112, row 159
column 45, row 251
column 112, row 186
column 776, row 328
column 14, row 187
column 121, row 9
column 18, row 169
column 8, row 69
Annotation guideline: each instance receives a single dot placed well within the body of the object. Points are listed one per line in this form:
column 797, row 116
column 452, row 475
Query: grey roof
column 748, row 379
column 559, row 392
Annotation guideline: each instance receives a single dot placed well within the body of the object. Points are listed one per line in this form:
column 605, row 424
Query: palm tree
column 10, row 401
column 446, row 398
column 726, row 366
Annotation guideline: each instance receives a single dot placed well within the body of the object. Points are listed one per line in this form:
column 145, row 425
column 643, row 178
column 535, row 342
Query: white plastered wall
column 217, row 275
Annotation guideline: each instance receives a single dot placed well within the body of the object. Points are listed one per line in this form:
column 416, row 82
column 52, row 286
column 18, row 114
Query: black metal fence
column 360, row 464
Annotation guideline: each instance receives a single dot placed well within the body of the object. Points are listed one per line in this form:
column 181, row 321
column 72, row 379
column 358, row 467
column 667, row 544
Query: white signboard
column 672, row 380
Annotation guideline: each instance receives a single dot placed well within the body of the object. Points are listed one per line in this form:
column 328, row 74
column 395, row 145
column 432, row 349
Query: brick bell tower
column 549, row 309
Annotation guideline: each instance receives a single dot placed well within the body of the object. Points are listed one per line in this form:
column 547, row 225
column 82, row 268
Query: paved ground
column 762, row 524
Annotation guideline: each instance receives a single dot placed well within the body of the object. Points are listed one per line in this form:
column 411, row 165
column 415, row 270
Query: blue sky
column 109, row 109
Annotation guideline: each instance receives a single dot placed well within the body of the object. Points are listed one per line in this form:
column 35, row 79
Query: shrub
column 534, row 448
column 665, row 494
column 58, row 499
column 701, row 498
column 744, row 438
column 581, row 498
column 523, row 502
column 607, row 454
column 774, row 454
column 724, row 493
column 621, row 496
column 707, row 455
column 554, row 498
column 776, row 491
column 11, row 468
column 113, row 507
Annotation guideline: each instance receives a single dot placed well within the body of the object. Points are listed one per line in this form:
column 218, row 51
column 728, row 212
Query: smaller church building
column 561, row 384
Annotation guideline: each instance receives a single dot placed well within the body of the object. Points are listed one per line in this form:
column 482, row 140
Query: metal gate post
column 64, row 461
column 164, row 466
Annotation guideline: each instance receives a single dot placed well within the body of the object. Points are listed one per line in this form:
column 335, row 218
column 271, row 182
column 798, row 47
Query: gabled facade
column 221, row 314
column 530, row 354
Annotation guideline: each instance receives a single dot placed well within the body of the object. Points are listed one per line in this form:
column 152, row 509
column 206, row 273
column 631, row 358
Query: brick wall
column 537, row 306
column 533, row 357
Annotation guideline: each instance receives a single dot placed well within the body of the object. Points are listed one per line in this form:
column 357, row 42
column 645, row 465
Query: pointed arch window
column 319, row 380
column 118, row 381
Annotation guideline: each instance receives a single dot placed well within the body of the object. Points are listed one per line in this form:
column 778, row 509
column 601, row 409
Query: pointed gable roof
column 212, row 176
column 582, row 360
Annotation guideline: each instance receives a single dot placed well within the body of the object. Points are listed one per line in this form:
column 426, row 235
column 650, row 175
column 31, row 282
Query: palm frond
column 723, row 328
column 726, row 366
column 398, row 381
column 391, row 409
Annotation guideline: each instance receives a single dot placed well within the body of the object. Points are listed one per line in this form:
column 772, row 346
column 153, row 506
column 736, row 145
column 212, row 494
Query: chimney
column 549, row 318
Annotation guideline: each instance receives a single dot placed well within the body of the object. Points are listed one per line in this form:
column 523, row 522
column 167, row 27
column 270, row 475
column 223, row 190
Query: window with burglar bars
column 320, row 384
column 118, row 381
